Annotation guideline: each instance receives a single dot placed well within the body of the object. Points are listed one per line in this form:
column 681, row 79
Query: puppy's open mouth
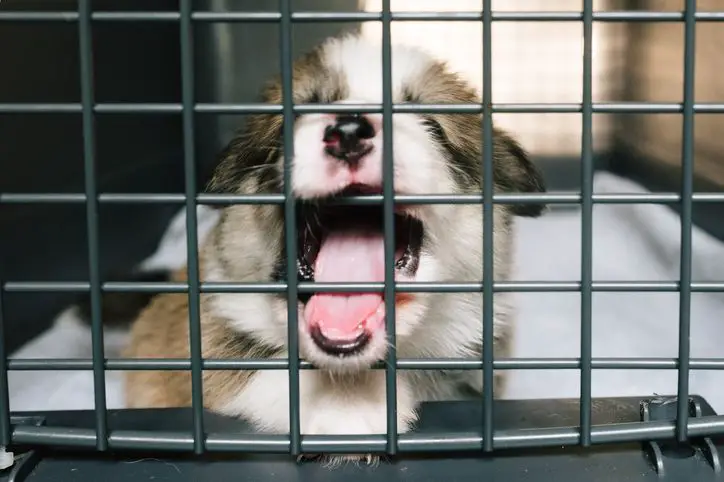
column 339, row 243
column 345, row 243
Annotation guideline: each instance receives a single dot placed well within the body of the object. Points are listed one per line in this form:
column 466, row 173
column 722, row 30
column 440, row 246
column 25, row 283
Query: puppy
column 343, row 334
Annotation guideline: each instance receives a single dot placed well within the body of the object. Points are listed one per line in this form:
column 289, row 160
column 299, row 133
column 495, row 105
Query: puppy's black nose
column 345, row 139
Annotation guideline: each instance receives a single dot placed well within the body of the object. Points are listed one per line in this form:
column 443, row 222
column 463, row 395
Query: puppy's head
column 341, row 154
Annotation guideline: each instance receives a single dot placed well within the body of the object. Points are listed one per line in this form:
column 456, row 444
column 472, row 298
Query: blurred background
column 533, row 62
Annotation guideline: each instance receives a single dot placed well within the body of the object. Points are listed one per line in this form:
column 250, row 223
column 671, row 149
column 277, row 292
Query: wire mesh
column 546, row 363
column 440, row 442
column 290, row 229
column 192, row 267
column 654, row 71
column 488, row 222
column 488, row 438
column 586, row 223
column 389, row 228
column 86, row 64
column 317, row 17
column 5, row 427
column 452, row 108
column 682, row 412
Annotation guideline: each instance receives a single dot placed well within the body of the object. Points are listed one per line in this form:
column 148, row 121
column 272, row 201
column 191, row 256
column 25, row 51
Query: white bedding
column 631, row 242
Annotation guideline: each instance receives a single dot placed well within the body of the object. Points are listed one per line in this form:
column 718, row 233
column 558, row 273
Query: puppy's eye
column 313, row 99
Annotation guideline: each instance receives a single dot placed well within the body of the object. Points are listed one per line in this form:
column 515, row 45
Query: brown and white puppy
column 343, row 334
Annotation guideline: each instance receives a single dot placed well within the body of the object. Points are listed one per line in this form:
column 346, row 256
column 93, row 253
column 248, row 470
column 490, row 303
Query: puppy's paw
column 336, row 461
column 368, row 420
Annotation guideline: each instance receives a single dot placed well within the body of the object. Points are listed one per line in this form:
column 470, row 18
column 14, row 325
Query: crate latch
column 697, row 448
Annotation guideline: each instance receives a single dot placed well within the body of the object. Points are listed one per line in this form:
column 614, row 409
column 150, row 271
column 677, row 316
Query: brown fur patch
column 247, row 244
column 254, row 152
column 162, row 331
column 462, row 134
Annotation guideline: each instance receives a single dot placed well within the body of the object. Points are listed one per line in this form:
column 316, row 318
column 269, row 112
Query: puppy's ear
column 247, row 163
column 515, row 172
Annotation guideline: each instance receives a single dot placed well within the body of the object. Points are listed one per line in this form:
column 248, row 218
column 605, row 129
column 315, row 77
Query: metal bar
column 322, row 17
column 586, row 224
column 452, row 108
column 101, row 439
column 146, row 108
column 132, row 198
column 488, row 219
column 365, row 200
column 41, row 198
column 73, row 364
column 687, row 176
column 192, row 266
column 5, row 424
column 85, row 46
column 410, row 443
column 40, row 108
column 388, row 188
column 402, row 287
column 5, row 428
column 290, row 225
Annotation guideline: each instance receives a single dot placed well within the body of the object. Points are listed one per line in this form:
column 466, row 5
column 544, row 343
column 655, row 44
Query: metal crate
column 678, row 437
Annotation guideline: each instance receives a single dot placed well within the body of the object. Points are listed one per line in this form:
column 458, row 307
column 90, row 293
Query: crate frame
column 487, row 439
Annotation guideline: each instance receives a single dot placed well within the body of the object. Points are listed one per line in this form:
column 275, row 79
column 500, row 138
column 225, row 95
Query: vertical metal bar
column 488, row 259
column 5, row 430
column 5, row 426
column 389, row 225
column 85, row 43
column 586, row 223
column 290, row 223
column 687, row 173
column 187, row 99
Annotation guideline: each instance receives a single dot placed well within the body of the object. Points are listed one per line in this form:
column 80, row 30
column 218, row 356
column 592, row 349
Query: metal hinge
column 696, row 449
column 23, row 464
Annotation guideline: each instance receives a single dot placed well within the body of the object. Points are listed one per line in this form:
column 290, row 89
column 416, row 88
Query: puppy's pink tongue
column 348, row 257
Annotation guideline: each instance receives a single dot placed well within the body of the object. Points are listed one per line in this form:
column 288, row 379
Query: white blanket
column 630, row 243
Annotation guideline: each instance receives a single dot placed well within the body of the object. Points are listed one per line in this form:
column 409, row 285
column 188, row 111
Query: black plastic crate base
column 610, row 462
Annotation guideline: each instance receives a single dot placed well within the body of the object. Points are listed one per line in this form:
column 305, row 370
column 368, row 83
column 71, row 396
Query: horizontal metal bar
column 503, row 439
column 41, row 198
column 170, row 364
column 80, row 364
column 256, row 108
column 322, row 17
column 138, row 108
column 319, row 17
column 12, row 17
column 367, row 200
column 408, row 287
column 40, row 108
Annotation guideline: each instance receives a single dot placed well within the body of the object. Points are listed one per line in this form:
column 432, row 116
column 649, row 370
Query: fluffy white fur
column 343, row 397
column 432, row 154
